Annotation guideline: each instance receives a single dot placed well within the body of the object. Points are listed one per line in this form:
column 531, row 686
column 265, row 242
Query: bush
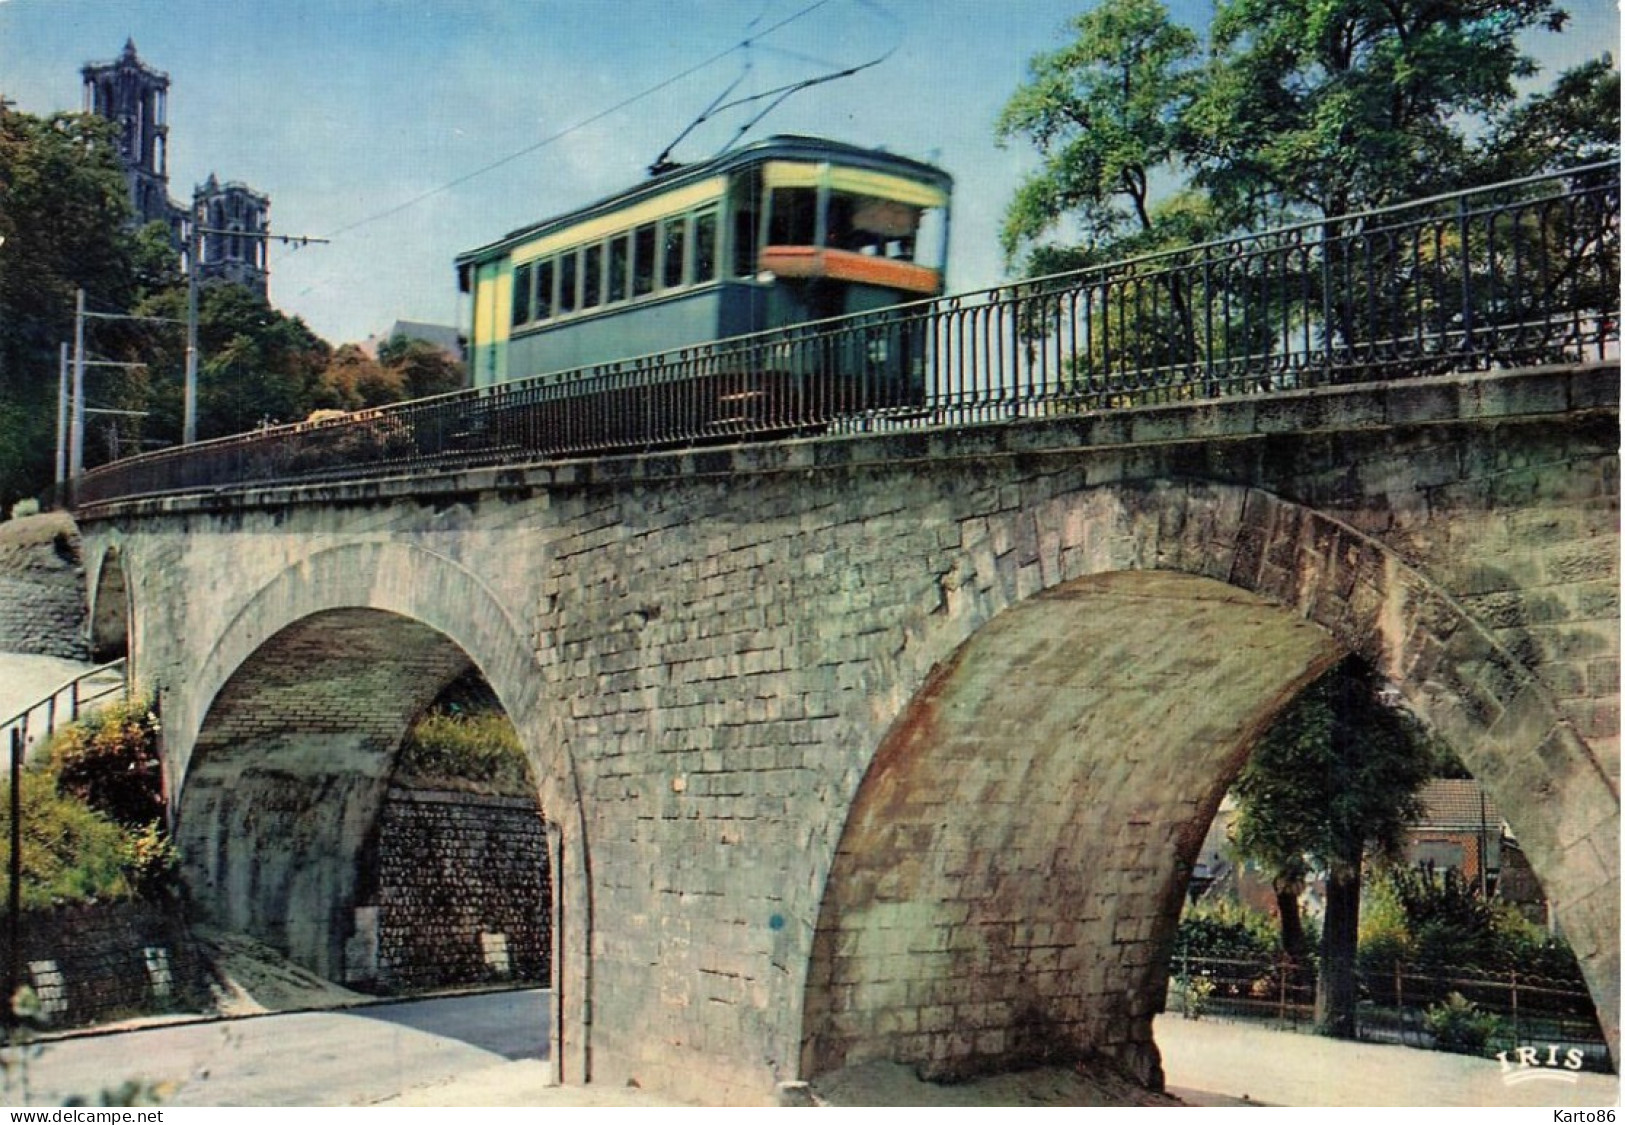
column 152, row 863
column 25, row 507
column 1458, row 1025
column 110, row 761
column 70, row 852
column 1225, row 929
column 1385, row 936
column 462, row 750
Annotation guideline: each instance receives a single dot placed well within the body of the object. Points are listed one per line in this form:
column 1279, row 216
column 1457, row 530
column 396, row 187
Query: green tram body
column 785, row 231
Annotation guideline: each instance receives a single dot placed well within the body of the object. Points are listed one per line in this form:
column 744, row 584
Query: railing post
column 1185, row 983
column 1207, row 321
column 1326, row 303
column 1399, row 1000
column 14, row 889
column 1467, row 345
column 1513, row 976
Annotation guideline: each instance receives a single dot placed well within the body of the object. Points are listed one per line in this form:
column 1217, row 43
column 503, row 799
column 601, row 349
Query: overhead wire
column 650, row 91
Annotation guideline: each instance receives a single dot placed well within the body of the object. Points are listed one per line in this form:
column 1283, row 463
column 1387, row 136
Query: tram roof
column 783, row 146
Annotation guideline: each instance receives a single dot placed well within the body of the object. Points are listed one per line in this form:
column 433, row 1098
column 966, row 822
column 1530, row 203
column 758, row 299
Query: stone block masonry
column 897, row 746
column 463, row 893
column 42, row 588
column 101, row 961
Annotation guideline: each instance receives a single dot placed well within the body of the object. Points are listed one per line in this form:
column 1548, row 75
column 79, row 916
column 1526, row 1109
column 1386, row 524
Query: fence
column 64, row 704
column 1517, row 274
column 1529, row 1010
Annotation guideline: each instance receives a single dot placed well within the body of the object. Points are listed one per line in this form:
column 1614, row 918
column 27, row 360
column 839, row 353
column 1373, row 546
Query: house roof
column 1450, row 802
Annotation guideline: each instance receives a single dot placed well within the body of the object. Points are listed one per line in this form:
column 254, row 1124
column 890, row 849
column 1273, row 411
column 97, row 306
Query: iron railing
column 1523, row 1009
column 65, row 703
column 1517, row 274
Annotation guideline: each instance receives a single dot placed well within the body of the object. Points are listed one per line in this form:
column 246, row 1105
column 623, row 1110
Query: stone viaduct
column 893, row 745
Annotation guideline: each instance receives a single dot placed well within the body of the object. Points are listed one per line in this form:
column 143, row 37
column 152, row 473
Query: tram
column 788, row 230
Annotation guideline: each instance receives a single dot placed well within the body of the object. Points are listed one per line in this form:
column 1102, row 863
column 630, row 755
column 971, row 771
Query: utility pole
column 194, row 253
column 194, row 245
column 70, row 406
column 76, row 424
column 61, row 420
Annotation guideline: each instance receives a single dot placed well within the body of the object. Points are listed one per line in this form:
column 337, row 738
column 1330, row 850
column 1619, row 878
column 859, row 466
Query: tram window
column 881, row 227
column 793, row 217
column 643, row 260
column 676, row 229
column 521, row 294
column 705, row 246
column 745, row 206
column 567, row 282
column 544, row 289
column 746, row 231
column 592, row 276
column 620, row 250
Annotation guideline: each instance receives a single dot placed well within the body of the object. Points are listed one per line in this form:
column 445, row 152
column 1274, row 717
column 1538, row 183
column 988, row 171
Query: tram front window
column 793, row 217
column 867, row 225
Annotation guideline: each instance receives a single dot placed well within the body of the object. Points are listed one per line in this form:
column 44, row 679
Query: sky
column 374, row 123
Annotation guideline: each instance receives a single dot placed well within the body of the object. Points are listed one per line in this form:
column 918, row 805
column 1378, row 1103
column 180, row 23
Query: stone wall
column 42, row 588
column 102, row 961
column 464, row 894
column 715, row 660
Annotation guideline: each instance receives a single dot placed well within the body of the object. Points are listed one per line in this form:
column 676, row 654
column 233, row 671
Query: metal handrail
column 1524, row 273
column 76, row 703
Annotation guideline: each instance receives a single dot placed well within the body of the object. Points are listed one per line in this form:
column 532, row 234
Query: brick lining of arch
column 860, row 1003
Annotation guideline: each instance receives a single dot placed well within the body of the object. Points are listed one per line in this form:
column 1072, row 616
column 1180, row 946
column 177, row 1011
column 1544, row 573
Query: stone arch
column 1152, row 631
column 381, row 628
column 287, row 776
column 111, row 610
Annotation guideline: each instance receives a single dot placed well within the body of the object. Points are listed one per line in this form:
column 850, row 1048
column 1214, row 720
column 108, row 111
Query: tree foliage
column 64, row 207
column 1103, row 113
column 421, row 367
column 1337, row 776
column 1330, row 106
column 1297, row 108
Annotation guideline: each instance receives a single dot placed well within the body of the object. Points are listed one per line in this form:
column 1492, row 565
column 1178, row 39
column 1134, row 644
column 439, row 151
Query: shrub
column 1225, row 929
column 152, row 863
column 1193, row 992
column 70, row 852
column 1458, row 1025
column 25, row 507
column 1385, row 936
column 460, row 750
column 110, row 761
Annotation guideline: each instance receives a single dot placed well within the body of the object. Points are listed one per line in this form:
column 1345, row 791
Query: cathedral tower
column 135, row 96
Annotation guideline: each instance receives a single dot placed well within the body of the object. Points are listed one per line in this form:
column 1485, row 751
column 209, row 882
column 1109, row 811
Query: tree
column 423, row 368
column 1303, row 107
column 1576, row 122
column 64, row 206
column 1332, row 106
column 1335, row 777
column 1103, row 113
column 259, row 366
column 354, row 380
